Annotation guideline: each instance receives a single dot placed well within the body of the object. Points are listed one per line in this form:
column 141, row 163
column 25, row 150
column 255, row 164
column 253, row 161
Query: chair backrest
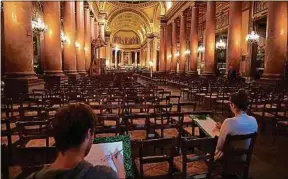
column 101, row 127
column 148, row 153
column 240, row 155
column 186, row 106
column 203, row 149
column 32, row 159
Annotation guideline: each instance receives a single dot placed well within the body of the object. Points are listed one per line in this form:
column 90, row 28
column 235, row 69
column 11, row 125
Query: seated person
column 73, row 131
column 231, row 74
column 241, row 124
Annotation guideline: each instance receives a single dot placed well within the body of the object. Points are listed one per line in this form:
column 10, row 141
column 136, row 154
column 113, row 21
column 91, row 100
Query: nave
column 146, row 109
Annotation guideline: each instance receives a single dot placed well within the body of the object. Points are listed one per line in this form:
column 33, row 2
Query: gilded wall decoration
column 222, row 20
column 126, row 38
column 259, row 6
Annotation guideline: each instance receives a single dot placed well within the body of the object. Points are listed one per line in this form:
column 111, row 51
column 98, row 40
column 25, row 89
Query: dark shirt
column 231, row 74
column 83, row 170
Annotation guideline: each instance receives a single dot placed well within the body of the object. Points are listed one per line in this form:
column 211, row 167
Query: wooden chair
column 237, row 159
column 33, row 133
column 281, row 119
column 164, row 127
column 32, row 159
column 5, row 161
column 196, row 158
column 155, row 158
column 107, row 125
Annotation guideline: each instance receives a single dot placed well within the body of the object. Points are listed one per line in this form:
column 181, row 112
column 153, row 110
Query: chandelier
column 99, row 42
column 201, row 49
column 187, row 52
column 38, row 26
column 64, row 38
column 252, row 37
column 220, row 45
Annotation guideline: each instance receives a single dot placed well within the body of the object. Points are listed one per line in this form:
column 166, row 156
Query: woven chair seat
column 153, row 169
column 193, row 168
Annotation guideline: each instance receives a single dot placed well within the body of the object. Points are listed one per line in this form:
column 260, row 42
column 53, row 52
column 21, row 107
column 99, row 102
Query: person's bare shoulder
column 101, row 172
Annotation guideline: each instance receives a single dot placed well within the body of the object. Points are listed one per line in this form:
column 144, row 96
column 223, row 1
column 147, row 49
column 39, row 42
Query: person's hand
column 118, row 161
column 218, row 125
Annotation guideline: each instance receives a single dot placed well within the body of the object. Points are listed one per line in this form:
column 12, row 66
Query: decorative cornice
column 140, row 5
column 115, row 13
column 177, row 9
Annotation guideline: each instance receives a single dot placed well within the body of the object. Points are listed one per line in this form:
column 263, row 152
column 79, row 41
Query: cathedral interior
column 133, row 61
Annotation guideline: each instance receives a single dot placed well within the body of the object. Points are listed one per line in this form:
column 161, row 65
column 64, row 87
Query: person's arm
column 222, row 136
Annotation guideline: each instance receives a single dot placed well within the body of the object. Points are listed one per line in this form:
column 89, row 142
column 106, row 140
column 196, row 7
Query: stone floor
column 269, row 161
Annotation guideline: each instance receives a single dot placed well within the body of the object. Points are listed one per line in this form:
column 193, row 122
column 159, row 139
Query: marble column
column 96, row 28
column 148, row 57
column 168, row 48
column 102, row 52
column 162, row 46
column 53, row 73
column 154, row 53
column 92, row 28
column 174, row 47
column 80, row 36
column 116, row 59
column 18, row 48
column 209, row 54
column 122, row 58
column 182, row 58
column 108, row 49
column 135, row 60
column 194, row 40
column 276, row 43
column 69, row 47
column 234, row 36
column 87, row 43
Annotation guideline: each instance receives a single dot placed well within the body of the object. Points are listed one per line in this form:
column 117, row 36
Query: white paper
column 108, row 154
column 209, row 126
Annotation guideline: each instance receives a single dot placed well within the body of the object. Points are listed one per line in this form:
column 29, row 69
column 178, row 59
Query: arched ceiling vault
column 141, row 17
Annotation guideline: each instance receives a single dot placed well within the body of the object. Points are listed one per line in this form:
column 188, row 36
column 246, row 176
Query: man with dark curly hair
column 73, row 131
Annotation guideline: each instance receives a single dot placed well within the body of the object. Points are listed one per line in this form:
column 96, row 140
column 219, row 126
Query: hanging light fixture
column 253, row 37
column 201, row 49
column 187, row 52
column 220, row 45
column 38, row 26
column 64, row 38
column 177, row 54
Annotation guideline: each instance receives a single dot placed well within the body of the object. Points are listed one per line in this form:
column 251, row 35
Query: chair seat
column 158, row 121
column 139, row 122
column 193, row 168
column 101, row 135
column 211, row 97
column 4, row 127
column 153, row 169
column 265, row 114
column 31, row 113
column 282, row 114
column 186, row 119
column 40, row 142
column 189, row 130
column 109, row 123
column 14, row 138
column 168, row 133
column 283, row 123
column 137, row 135
column 223, row 101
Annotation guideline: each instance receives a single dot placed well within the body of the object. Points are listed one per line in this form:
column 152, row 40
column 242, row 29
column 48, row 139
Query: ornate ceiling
column 138, row 17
